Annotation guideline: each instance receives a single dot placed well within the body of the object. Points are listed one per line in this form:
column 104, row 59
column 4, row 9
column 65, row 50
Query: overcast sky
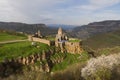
column 73, row 12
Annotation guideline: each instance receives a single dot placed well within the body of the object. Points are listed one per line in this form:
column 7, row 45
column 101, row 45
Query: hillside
column 94, row 28
column 27, row 28
column 108, row 42
column 81, row 32
column 37, row 61
column 28, row 55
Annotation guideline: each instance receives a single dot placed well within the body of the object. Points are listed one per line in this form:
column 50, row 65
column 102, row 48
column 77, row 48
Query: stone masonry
column 63, row 43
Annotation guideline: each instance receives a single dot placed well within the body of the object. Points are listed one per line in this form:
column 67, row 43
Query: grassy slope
column 104, row 43
column 20, row 49
column 110, row 39
column 70, row 60
column 6, row 36
column 15, row 50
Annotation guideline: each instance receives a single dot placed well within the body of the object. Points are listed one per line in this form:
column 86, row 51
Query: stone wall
column 41, row 40
column 73, row 47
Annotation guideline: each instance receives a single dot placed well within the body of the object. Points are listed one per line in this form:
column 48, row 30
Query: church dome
column 60, row 31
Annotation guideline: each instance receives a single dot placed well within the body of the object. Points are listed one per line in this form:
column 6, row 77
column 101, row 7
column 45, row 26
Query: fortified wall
column 37, row 37
column 73, row 47
column 48, row 42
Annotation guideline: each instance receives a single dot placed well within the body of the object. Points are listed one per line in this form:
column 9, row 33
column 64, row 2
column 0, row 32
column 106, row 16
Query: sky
column 70, row 12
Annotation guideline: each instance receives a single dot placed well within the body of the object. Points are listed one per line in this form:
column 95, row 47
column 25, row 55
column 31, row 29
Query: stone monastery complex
column 66, row 45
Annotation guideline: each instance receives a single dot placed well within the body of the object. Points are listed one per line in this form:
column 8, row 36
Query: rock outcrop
column 42, row 61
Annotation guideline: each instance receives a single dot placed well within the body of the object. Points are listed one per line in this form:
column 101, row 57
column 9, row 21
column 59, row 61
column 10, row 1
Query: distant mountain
column 95, row 28
column 65, row 27
column 27, row 28
column 82, row 32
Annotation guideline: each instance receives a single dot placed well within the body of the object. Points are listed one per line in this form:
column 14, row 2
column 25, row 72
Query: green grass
column 7, row 36
column 74, row 40
column 106, row 43
column 70, row 59
column 15, row 50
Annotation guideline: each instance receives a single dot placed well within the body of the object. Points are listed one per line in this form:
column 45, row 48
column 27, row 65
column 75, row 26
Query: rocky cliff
column 43, row 62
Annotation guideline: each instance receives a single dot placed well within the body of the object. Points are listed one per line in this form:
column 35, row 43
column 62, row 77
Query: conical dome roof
column 60, row 30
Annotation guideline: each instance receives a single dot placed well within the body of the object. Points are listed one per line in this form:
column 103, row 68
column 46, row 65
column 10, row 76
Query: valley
column 67, row 58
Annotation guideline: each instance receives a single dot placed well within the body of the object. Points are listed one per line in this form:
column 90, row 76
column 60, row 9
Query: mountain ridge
column 27, row 28
column 82, row 32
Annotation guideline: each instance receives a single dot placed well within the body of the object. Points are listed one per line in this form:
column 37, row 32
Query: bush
column 102, row 68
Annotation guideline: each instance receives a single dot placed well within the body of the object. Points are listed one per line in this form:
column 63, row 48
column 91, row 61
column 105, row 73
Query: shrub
column 101, row 68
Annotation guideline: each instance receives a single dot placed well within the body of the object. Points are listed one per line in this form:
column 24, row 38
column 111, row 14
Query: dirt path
column 5, row 42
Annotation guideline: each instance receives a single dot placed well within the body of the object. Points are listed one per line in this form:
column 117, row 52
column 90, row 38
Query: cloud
column 57, row 11
column 98, row 4
column 99, row 16
column 104, row 2
column 107, row 14
column 9, row 13
column 30, row 11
